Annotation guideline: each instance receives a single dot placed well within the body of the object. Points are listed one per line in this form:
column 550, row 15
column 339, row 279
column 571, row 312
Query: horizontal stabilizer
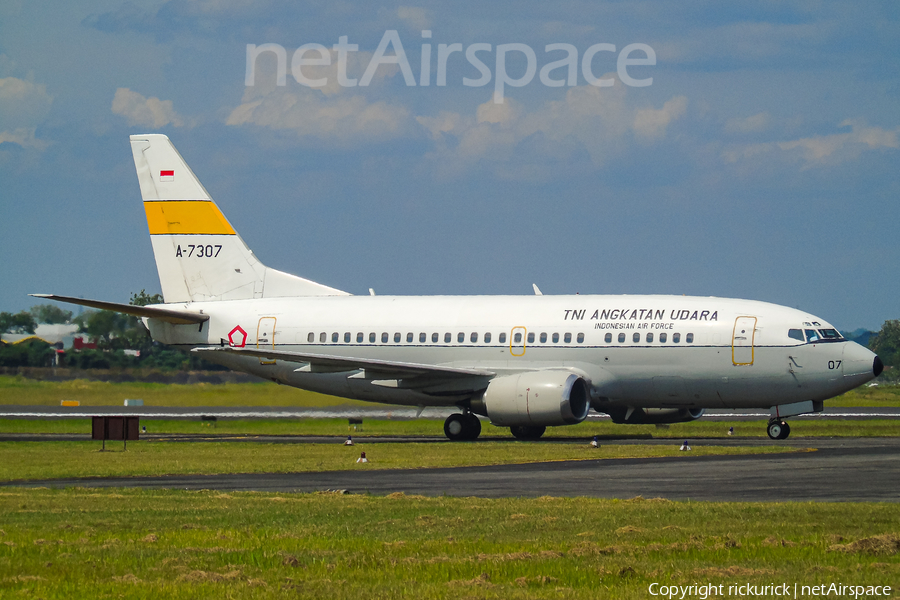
column 176, row 317
column 382, row 367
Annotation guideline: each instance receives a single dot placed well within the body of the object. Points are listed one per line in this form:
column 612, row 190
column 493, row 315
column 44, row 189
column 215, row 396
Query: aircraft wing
column 176, row 317
column 376, row 369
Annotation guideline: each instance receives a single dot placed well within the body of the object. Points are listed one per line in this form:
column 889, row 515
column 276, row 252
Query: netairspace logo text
column 562, row 71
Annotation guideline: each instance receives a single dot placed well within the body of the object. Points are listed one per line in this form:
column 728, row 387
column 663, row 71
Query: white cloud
column 332, row 113
column 341, row 119
column 822, row 150
column 23, row 106
column 415, row 17
column 652, row 123
column 24, row 137
column 143, row 111
column 599, row 121
column 752, row 124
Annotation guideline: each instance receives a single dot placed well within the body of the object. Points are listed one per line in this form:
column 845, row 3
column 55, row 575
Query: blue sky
column 762, row 162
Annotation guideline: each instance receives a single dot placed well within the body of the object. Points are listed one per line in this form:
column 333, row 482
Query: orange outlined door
column 265, row 337
column 517, row 341
column 742, row 341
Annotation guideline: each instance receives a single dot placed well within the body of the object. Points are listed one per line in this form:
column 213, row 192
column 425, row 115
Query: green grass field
column 605, row 430
column 21, row 391
column 79, row 543
column 47, row 460
column 76, row 543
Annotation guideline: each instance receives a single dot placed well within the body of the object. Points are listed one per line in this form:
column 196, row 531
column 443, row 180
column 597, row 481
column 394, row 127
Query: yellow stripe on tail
column 186, row 217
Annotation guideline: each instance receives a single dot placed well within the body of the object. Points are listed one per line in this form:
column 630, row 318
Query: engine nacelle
column 535, row 398
column 652, row 416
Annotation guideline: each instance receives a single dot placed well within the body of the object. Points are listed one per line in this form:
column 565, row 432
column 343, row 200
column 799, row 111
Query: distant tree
column 29, row 353
column 102, row 325
column 50, row 313
column 886, row 343
column 21, row 322
column 142, row 298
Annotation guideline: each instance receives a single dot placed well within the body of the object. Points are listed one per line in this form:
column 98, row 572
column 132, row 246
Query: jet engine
column 538, row 398
column 652, row 416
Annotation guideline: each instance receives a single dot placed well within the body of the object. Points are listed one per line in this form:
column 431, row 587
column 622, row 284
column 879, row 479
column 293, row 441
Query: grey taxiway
column 819, row 469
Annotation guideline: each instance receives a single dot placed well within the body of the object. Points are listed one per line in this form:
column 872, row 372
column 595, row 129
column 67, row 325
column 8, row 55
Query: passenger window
column 435, row 337
column 322, row 337
column 662, row 338
column 346, row 337
column 384, row 338
column 503, row 338
column 473, row 338
column 409, row 337
column 812, row 336
column 607, row 338
column 555, row 338
column 311, row 337
column 543, row 338
column 334, row 337
column 689, row 338
column 796, row 334
column 567, row 338
column 487, row 338
column 530, row 338
column 397, row 337
column 460, row 337
column 649, row 338
column 636, row 338
column 422, row 338
column 447, row 338
column 676, row 338
column 372, row 338
column 621, row 338
column 517, row 338
column 580, row 338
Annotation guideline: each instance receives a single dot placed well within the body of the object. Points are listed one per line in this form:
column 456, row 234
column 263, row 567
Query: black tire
column 527, row 432
column 456, row 426
column 776, row 429
column 785, row 431
column 473, row 426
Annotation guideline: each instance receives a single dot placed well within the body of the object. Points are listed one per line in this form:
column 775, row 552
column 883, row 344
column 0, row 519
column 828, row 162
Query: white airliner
column 524, row 362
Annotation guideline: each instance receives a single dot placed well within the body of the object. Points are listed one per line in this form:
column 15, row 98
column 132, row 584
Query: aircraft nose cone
column 860, row 362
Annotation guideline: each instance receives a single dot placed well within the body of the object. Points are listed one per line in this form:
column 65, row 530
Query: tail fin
column 199, row 255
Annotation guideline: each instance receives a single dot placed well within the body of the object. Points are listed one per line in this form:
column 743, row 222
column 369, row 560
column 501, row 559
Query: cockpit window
column 831, row 335
column 812, row 336
column 796, row 334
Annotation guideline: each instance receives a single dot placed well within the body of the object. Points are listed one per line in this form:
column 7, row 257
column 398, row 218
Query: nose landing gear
column 778, row 430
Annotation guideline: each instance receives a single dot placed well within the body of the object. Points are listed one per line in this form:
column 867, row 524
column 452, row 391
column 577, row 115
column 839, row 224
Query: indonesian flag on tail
column 167, row 175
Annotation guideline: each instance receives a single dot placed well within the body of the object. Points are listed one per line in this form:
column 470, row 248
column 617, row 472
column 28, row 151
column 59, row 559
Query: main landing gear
column 778, row 430
column 462, row 427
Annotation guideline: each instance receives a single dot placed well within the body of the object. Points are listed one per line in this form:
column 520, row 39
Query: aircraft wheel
column 473, row 426
column 527, row 432
column 778, row 430
column 785, row 430
column 455, row 427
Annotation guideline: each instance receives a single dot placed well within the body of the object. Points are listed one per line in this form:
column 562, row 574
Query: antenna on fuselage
column 537, row 290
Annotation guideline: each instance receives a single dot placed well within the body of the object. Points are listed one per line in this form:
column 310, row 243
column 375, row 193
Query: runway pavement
column 834, row 470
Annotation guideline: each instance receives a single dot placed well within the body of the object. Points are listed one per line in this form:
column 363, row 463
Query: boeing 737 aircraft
column 524, row 362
